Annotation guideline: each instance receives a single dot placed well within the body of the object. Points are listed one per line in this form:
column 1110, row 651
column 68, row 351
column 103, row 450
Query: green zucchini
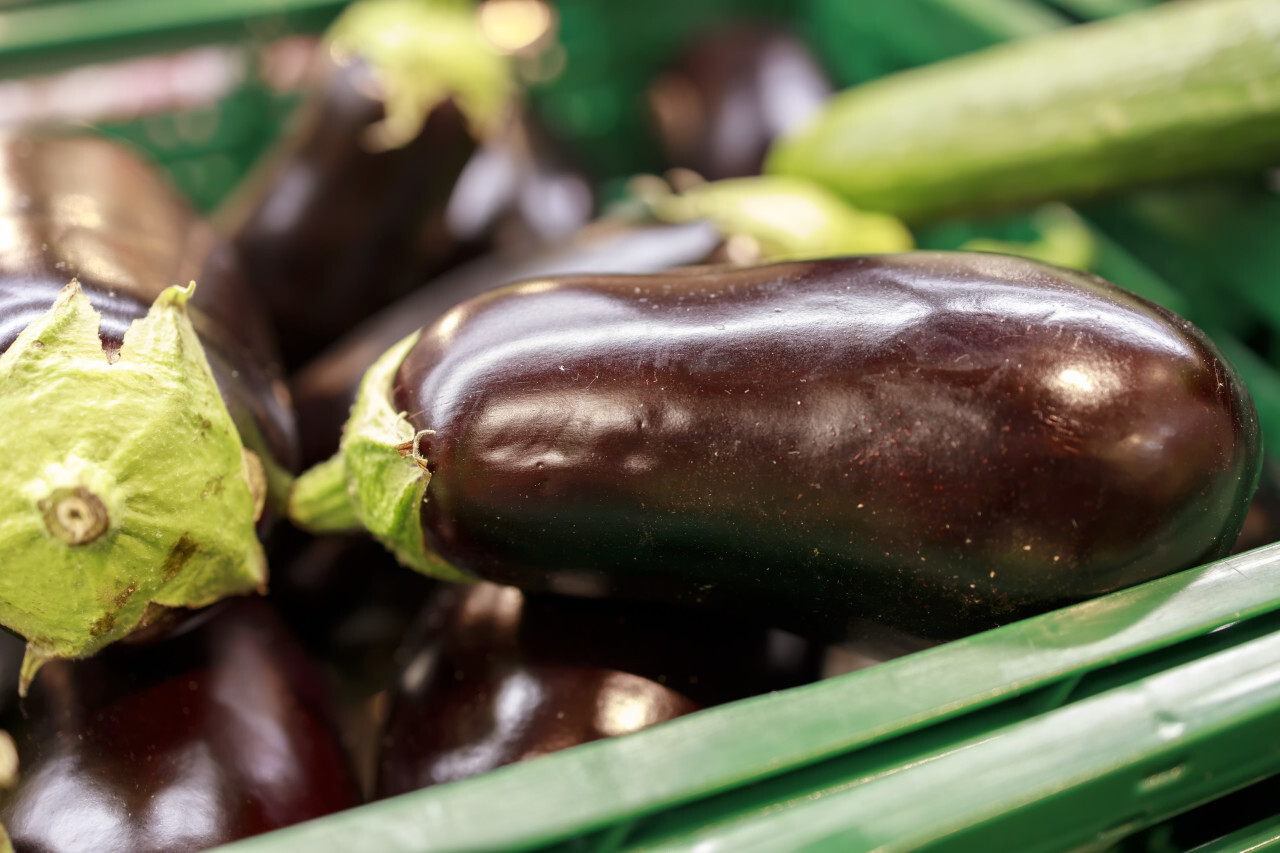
column 1190, row 87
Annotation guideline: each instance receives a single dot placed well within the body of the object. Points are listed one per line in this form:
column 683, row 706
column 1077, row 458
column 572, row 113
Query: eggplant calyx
column 423, row 53
column 372, row 479
column 785, row 218
column 126, row 483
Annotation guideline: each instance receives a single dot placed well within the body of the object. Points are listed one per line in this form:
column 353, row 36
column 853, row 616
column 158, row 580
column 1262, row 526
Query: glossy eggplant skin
column 501, row 676
column 720, row 106
column 331, row 230
column 84, row 207
column 938, row 442
column 324, row 390
column 221, row 732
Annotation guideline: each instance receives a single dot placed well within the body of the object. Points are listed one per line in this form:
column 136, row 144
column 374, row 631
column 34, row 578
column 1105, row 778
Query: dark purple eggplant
column 501, row 676
column 937, row 442
column 330, row 229
column 218, row 733
column 721, row 105
column 348, row 602
column 518, row 191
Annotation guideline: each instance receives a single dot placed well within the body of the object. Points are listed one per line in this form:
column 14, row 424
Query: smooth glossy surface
column 324, row 390
column 937, row 442
column 502, row 676
column 219, row 733
column 82, row 207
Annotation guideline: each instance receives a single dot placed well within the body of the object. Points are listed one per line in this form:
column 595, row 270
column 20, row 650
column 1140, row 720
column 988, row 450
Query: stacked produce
column 658, row 444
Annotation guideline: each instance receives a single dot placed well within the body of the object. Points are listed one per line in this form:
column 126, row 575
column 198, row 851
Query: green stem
column 320, row 501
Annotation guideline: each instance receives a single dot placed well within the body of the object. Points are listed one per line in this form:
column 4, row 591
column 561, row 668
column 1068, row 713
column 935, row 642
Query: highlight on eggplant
column 937, row 442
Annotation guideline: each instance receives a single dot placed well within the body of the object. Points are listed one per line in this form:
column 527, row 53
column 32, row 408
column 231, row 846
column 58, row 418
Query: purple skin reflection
column 218, row 733
column 718, row 109
column 502, row 676
column 936, row 442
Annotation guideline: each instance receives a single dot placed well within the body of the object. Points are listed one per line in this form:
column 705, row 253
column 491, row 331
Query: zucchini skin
column 87, row 208
column 221, row 732
column 937, row 442
column 1183, row 89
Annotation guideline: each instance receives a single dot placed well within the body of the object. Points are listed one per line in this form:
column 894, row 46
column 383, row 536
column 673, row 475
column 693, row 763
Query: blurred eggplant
column 500, row 676
column 348, row 602
column 218, row 733
column 721, row 105
column 349, row 211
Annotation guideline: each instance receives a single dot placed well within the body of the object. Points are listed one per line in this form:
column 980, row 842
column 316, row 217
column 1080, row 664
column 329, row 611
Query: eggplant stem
column 75, row 516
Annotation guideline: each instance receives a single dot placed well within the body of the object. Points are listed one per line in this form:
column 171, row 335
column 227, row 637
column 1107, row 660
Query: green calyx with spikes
column 376, row 481
column 125, row 483
column 423, row 52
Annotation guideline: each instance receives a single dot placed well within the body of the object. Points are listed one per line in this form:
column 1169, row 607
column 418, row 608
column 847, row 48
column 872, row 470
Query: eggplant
column 720, row 106
column 349, row 604
column 357, row 204
column 936, row 442
column 501, row 676
column 217, row 733
column 330, row 230
column 143, row 432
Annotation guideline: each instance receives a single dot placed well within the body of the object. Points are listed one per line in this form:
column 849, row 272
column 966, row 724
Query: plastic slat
column 1086, row 774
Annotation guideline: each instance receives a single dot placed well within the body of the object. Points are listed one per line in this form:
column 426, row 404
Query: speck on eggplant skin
column 960, row 414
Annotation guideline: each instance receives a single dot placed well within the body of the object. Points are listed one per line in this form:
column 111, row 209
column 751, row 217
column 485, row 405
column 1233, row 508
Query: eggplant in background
column 330, row 229
column 335, row 224
column 220, row 732
column 499, row 676
column 719, row 107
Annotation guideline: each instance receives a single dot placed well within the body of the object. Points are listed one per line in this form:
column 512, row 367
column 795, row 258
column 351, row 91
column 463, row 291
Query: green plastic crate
column 1083, row 729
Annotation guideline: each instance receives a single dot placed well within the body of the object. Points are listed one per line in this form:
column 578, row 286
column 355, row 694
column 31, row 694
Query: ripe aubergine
column 349, row 212
column 105, row 520
column 215, row 734
column 501, row 676
column 938, row 442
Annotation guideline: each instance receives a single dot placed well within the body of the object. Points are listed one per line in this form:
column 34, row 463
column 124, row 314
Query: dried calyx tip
column 76, row 515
